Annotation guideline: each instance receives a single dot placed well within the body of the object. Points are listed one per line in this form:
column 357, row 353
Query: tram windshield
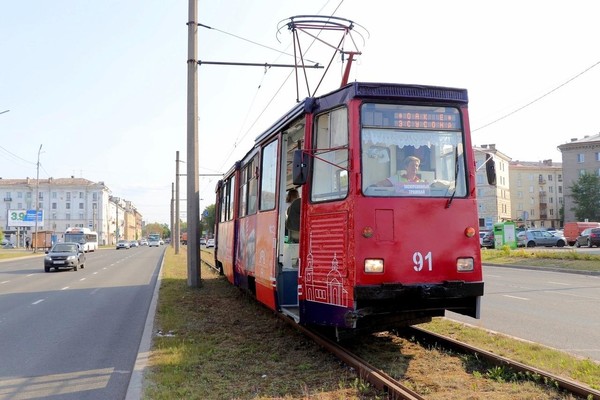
column 410, row 150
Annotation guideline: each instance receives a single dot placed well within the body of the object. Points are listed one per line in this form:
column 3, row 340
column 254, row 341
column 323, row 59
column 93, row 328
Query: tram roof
column 391, row 91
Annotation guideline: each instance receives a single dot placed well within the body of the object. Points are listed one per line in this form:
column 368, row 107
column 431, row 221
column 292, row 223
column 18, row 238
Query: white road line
column 95, row 273
column 29, row 275
column 37, row 302
column 515, row 297
column 3, row 282
column 559, row 283
column 65, row 288
column 573, row 295
column 82, row 279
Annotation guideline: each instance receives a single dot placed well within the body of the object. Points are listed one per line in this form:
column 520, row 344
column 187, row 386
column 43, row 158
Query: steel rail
column 569, row 385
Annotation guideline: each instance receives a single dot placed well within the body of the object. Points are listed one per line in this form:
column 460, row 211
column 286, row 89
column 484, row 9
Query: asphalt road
column 556, row 309
column 74, row 335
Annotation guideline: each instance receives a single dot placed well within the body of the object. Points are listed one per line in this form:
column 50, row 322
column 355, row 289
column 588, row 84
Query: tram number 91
column 420, row 261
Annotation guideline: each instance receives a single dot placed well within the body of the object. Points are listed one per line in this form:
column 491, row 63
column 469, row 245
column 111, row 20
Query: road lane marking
column 82, row 279
column 516, row 297
column 65, row 288
column 559, row 283
column 573, row 295
column 3, row 282
column 37, row 302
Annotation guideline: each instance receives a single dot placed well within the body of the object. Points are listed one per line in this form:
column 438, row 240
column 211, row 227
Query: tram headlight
column 373, row 265
column 464, row 264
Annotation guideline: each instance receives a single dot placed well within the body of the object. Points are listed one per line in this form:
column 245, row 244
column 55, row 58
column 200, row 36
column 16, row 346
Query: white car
column 210, row 243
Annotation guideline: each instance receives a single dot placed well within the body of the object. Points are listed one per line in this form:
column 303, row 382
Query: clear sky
column 102, row 85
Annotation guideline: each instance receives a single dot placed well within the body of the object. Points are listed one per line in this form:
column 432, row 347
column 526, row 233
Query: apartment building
column 67, row 202
column 537, row 196
column 578, row 156
column 493, row 201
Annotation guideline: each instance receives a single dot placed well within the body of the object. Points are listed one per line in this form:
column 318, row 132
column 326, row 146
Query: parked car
column 481, row 235
column 8, row 245
column 210, row 243
column 538, row 237
column 143, row 242
column 202, row 242
column 590, row 237
column 123, row 244
column 133, row 243
column 488, row 241
column 574, row 229
column 64, row 255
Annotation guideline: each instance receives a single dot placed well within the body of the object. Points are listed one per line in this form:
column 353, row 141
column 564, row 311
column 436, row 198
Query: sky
column 101, row 86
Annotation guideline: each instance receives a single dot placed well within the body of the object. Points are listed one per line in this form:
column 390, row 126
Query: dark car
column 488, row 240
column 64, row 255
column 538, row 237
column 590, row 237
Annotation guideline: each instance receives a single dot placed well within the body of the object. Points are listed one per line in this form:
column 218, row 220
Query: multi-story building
column 579, row 156
column 493, row 201
column 536, row 193
column 67, row 202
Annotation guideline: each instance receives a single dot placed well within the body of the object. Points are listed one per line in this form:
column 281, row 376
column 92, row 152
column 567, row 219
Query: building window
column 67, row 216
column 549, row 177
column 68, row 206
column 597, row 156
column 552, row 211
column 81, row 217
column 560, row 177
column 551, row 200
column 54, row 206
column 551, row 189
column 81, row 206
column 54, row 195
column 95, row 196
column 81, row 195
column 19, row 195
column 68, row 196
column 581, row 172
column 580, row 158
column 560, row 189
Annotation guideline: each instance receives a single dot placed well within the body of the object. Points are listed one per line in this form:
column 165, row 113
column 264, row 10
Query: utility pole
column 193, row 192
column 177, row 217
column 37, row 203
column 172, row 214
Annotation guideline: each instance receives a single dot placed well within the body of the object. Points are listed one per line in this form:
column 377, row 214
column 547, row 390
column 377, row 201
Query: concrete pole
column 172, row 214
column 177, row 214
column 37, row 203
column 193, row 192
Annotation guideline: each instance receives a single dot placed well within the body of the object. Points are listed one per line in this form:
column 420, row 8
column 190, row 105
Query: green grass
column 554, row 361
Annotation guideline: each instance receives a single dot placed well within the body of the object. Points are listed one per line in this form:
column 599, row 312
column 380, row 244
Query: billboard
column 21, row 218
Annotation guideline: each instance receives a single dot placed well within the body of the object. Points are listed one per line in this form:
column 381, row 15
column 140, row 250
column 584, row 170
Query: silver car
column 538, row 237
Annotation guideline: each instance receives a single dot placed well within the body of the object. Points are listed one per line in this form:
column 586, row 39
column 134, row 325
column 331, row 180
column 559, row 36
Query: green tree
column 208, row 219
column 586, row 196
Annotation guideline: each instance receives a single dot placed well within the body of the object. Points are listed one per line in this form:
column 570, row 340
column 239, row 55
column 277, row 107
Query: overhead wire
column 239, row 138
column 537, row 99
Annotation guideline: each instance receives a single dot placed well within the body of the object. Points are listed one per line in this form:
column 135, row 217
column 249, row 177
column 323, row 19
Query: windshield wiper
column 456, row 168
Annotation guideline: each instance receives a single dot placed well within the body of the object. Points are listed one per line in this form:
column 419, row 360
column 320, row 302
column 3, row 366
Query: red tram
column 388, row 226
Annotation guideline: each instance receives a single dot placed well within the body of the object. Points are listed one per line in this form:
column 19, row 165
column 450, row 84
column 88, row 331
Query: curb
column 542, row 268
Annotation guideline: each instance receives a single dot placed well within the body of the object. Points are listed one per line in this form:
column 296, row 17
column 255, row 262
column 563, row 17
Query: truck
column 42, row 239
column 573, row 229
column 184, row 238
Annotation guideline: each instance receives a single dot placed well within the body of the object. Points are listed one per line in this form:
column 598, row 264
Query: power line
column 538, row 99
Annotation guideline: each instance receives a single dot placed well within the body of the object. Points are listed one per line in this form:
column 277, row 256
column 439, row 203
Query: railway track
column 394, row 388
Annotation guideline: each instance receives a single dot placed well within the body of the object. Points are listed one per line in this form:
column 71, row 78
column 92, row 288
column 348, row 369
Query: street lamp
column 37, row 203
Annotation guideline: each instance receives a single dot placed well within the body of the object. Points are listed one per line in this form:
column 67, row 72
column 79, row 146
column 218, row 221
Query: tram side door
column 288, row 243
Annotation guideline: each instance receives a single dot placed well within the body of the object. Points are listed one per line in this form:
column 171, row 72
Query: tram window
column 431, row 137
column 268, row 176
column 330, row 165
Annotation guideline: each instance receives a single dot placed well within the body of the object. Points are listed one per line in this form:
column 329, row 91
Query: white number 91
column 419, row 261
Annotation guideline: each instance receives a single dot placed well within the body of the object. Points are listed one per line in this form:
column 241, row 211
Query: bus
column 87, row 238
column 388, row 230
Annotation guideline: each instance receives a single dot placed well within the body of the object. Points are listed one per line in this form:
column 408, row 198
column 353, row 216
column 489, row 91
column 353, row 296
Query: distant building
column 536, row 193
column 493, row 202
column 578, row 156
column 68, row 202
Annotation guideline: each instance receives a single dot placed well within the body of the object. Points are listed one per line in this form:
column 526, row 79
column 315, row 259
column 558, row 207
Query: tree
column 208, row 219
column 586, row 196
column 155, row 227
